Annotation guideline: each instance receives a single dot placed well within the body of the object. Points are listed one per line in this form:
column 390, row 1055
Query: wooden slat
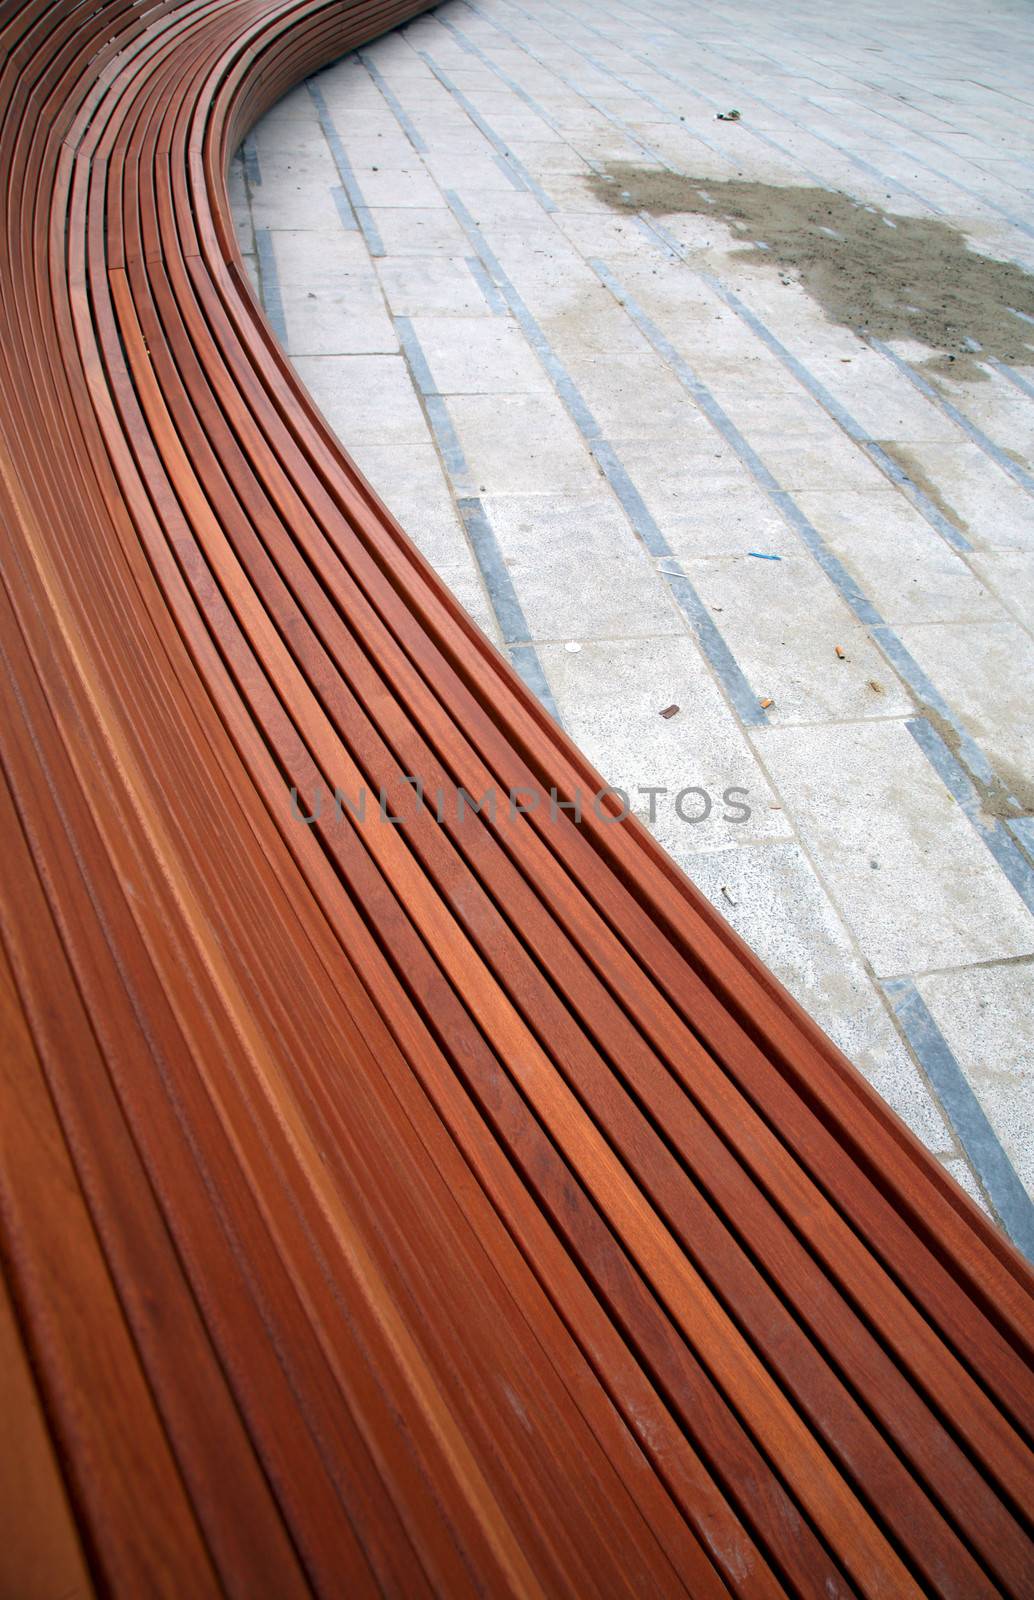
column 42, row 1557
column 452, row 1207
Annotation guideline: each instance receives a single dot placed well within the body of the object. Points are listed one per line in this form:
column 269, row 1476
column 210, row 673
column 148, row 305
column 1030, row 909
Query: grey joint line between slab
column 475, row 50
column 269, row 284
column 997, row 836
column 509, row 614
column 927, row 390
column 498, row 145
column 346, row 215
column 349, row 183
column 708, row 636
column 250, row 157
column 509, row 172
column 415, row 138
column 966, row 1114
column 1018, row 382
column 493, row 299
column 1022, row 830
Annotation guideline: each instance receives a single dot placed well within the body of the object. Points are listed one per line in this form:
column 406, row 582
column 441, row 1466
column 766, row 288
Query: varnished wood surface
column 426, row 1209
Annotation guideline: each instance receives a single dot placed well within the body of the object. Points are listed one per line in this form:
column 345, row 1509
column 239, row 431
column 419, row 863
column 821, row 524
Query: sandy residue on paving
column 889, row 276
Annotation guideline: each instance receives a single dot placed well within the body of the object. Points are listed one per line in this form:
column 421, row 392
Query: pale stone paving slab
column 811, row 953
column 912, row 878
column 577, row 569
column 610, row 695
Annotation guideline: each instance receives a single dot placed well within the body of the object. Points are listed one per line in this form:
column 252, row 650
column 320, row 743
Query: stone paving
column 657, row 475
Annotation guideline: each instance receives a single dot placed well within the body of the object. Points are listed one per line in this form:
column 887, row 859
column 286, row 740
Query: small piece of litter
column 727, row 895
column 573, row 647
column 876, row 686
column 840, row 652
column 728, row 116
column 761, row 556
column 670, row 711
column 764, row 704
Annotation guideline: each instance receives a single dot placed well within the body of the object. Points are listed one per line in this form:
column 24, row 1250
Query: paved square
column 658, row 461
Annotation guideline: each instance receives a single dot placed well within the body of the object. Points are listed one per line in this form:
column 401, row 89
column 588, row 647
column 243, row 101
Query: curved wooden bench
column 449, row 1207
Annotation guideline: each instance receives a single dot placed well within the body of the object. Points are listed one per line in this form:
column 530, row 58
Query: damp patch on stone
column 891, row 277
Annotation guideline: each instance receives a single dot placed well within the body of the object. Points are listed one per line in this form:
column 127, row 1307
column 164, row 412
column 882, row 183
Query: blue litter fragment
column 762, row 556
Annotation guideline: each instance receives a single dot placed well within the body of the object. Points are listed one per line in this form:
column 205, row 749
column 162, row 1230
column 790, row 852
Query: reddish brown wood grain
column 435, row 1209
